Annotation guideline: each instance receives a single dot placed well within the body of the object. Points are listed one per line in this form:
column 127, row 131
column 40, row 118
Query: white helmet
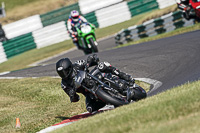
column 75, row 15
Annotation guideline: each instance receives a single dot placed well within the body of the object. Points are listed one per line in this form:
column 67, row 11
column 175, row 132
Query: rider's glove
column 80, row 64
column 92, row 60
column 75, row 98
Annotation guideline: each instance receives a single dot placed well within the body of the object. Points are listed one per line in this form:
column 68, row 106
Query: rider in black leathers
column 67, row 71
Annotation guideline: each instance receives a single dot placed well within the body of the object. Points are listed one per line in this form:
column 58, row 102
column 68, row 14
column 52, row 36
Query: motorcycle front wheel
column 139, row 93
column 94, row 47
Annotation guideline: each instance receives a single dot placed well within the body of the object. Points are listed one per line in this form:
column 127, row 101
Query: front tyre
column 139, row 93
column 94, row 47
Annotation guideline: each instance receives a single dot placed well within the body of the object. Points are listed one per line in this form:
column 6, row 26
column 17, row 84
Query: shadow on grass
column 62, row 117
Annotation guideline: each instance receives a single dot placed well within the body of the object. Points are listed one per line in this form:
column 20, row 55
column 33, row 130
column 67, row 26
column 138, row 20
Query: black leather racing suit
column 91, row 104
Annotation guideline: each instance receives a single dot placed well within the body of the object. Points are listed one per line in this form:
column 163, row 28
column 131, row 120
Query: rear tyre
column 104, row 96
column 94, row 47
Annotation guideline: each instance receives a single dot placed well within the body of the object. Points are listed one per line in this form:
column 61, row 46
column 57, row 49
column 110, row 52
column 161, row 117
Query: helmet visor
column 68, row 72
column 75, row 18
column 65, row 74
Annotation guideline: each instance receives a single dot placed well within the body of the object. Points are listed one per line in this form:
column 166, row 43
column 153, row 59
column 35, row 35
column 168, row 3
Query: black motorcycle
column 108, row 88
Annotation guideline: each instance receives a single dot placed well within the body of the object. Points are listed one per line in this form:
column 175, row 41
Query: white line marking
column 3, row 73
column 51, row 128
column 156, row 84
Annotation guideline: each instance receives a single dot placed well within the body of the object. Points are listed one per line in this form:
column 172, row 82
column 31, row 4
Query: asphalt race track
column 173, row 60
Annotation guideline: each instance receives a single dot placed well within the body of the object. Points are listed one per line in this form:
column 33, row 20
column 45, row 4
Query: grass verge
column 19, row 9
column 38, row 103
column 173, row 111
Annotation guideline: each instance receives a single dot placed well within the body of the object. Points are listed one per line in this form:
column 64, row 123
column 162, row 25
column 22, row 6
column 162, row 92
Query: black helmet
column 64, row 68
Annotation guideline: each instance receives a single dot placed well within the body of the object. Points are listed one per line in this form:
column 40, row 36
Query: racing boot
column 75, row 41
column 92, row 105
column 78, row 46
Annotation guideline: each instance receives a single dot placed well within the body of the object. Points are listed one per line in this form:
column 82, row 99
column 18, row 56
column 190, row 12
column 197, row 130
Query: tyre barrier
column 153, row 27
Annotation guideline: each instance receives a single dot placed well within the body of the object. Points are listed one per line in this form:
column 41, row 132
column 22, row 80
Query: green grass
column 20, row 9
column 38, row 103
column 10, row 4
column 174, row 111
